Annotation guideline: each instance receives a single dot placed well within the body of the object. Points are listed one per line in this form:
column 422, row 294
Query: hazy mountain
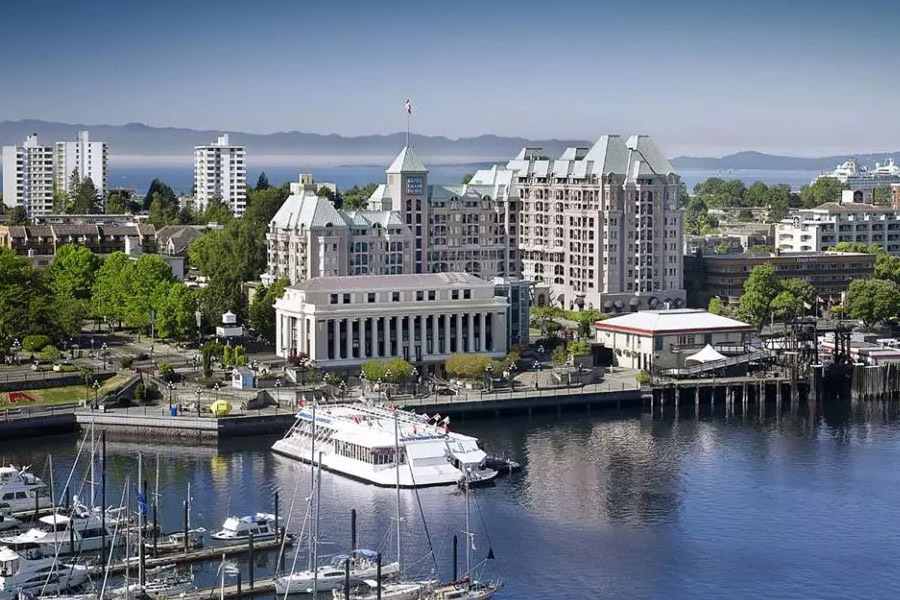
column 758, row 160
column 139, row 139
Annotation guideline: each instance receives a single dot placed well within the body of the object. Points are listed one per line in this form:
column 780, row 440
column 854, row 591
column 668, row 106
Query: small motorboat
column 21, row 490
column 363, row 566
column 477, row 476
column 501, row 464
column 174, row 542
column 237, row 530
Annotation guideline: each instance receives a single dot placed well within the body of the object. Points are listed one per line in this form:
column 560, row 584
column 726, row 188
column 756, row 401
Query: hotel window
column 371, row 298
column 346, row 298
column 395, row 296
column 420, row 295
column 333, row 299
column 467, row 294
column 431, row 294
column 454, row 295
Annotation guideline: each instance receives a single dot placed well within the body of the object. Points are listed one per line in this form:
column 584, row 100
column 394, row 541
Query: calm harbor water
column 609, row 505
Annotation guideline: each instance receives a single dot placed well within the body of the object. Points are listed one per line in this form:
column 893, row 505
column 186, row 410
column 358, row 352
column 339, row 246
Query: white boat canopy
column 708, row 354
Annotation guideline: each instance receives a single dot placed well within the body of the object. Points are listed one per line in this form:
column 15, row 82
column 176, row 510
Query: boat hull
column 302, row 583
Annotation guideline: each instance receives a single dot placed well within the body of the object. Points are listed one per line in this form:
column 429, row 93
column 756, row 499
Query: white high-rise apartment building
column 84, row 156
column 820, row 228
column 220, row 170
column 599, row 226
column 28, row 177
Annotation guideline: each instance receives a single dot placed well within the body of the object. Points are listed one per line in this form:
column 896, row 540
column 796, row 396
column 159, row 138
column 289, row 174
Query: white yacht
column 358, row 440
column 860, row 177
column 18, row 489
column 363, row 566
column 237, row 530
column 27, row 573
column 52, row 532
column 368, row 590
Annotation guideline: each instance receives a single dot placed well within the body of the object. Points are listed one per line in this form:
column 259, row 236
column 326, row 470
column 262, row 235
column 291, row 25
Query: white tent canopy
column 708, row 354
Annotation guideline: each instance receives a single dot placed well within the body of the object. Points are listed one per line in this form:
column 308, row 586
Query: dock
column 264, row 585
column 733, row 392
column 192, row 556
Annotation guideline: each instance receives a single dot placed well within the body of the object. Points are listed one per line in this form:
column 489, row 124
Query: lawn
column 66, row 394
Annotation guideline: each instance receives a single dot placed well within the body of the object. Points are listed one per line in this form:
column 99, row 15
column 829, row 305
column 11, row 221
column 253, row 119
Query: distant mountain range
column 760, row 161
column 142, row 140
column 135, row 140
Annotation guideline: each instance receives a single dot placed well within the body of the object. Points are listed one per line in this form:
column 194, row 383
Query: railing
column 716, row 364
column 27, row 412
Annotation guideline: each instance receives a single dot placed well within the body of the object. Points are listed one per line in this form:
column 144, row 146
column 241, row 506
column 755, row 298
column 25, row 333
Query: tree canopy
column 262, row 310
column 392, row 370
column 471, row 366
column 873, row 300
column 822, row 190
column 26, row 306
column 71, row 279
column 262, row 183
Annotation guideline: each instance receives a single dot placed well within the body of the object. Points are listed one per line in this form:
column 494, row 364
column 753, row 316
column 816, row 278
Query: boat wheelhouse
column 21, row 490
column 237, row 530
column 361, row 441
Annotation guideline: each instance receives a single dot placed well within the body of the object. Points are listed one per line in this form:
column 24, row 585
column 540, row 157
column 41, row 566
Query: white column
column 373, row 337
column 459, row 346
column 470, row 344
column 387, row 336
column 348, row 343
column 481, row 334
column 336, row 340
column 493, row 318
column 434, row 335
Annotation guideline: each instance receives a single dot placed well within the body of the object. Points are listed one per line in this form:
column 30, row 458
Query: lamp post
column 96, row 387
column 216, row 388
column 490, row 376
column 103, row 353
column 199, row 317
column 16, row 346
column 413, row 375
column 536, row 367
column 278, row 392
column 171, row 387
column 199, row 391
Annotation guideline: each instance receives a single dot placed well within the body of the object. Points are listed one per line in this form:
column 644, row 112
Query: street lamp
column 536, row 367
column 216, row 388
column 16, row 346
column 199, row 317
column 96, row 387
column 278, row 392
column 171, row 387
column 103, row 353
column 199, row 391
column 490, row 374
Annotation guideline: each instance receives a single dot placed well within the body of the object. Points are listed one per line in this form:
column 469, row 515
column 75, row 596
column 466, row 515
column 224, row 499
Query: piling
column 185, row 508
column 377, row 577
column 352, row 529
column 250, row 552
column 455, row 557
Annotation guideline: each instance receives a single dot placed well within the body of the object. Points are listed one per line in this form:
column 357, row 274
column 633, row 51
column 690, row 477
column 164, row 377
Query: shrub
column 560, row 356
column 166, row 371
column 49, row 353
column 391, row 370
column 579, row 348
column 35, row 343
column 126, row 362
column 642, row 377
column 139, row 392
column 470, row 366
column 142, row 356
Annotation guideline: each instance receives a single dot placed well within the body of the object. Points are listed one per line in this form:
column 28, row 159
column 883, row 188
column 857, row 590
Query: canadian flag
column 356, row 419
column 408, row 107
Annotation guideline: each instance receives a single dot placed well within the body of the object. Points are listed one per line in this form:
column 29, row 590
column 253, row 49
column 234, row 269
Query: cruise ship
column 859, row 177
column 359, row 440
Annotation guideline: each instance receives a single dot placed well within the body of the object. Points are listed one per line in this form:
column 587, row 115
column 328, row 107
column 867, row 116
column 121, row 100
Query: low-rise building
column 341, row 322
column 829, row 272
column 651, row 340
column 820, row 228
column 40, row 242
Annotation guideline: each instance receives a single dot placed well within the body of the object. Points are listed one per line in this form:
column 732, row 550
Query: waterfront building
column 40, row 242
column 28, row 177
column 819, row 228
column 651, row 340
column 220, row 171
column 599, row 224
column 829, row 272
column 341, row 322
column 84, row 157
column 88, row 219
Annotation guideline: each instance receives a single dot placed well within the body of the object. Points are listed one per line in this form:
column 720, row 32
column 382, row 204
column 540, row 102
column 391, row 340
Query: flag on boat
column 356, row 419
column 142, row 503
column 408, row 107
column 446, row 420
column 436, row 417
column 490, row 555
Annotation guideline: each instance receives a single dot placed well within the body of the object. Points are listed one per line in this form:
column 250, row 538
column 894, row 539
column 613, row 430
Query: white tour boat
column 26, row 573
column 18, row 489
column 237, row 530
column 358, row 440
column 363, row 566
column 52, row 533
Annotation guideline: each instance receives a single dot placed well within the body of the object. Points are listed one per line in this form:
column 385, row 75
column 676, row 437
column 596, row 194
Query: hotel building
column 28, row 177
column 220, row 170
column 341, row 322
column 817, row 229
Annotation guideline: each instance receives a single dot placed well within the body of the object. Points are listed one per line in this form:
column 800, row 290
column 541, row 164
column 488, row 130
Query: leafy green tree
column 802, row 290
column 18, row 216
column 467, row 178
column 357, row 197
column 559, row 356
column 578, row 348
column 720, row 193
column 758, row 194
column 35, row 343
column 470, row 366
column 166, row 194
column 49, row 353
column 822, row 190
column 759, row 250
column 166, row 370
column 393, row 370
column 120, row 201
column 760, row 288
column 881, row 196
column 872, row 300
column 149, row 272
column 263, row 182
column 115, row 205
column 723, row 247
column 778, row 201
column 217, row 211
column 112, row 287
column 697, row 219
column 262, row 310
column 163, row 210
column 851, row 247
column 716, row 306
column 175, row 304
column 786, row 306
column 71, row 278
column 26, row 302
column 887, row 267
column 85, row 199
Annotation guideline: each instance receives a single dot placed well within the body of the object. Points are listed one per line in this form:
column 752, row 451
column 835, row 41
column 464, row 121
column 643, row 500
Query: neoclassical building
column 599, row 225
column 341, row 322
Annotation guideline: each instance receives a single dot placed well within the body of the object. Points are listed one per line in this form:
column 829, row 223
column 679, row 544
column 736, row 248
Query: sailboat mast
column 315, row 569
column 469, row 539
column 312, row 478
column 93, row 463
column 189, row 506
column 397, row 473
column 140, row 483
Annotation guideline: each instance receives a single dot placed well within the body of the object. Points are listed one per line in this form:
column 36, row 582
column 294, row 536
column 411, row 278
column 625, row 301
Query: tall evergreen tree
column 263, row 182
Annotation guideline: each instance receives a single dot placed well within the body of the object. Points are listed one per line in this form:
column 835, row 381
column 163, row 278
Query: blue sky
column 702, row 77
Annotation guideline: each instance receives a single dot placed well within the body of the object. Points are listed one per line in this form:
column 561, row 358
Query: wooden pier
column 732, row 392
column 265, row 585
column 192, row 556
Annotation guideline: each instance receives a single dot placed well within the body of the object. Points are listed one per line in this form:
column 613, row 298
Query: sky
column 702, row 77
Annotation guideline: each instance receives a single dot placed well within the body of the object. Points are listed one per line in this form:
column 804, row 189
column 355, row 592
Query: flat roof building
column 341, row 322
column 220, row 171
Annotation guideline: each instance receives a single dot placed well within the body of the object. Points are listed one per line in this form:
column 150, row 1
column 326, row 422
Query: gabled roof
column 688, row 320
column 307, row 209
column 407, row 162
